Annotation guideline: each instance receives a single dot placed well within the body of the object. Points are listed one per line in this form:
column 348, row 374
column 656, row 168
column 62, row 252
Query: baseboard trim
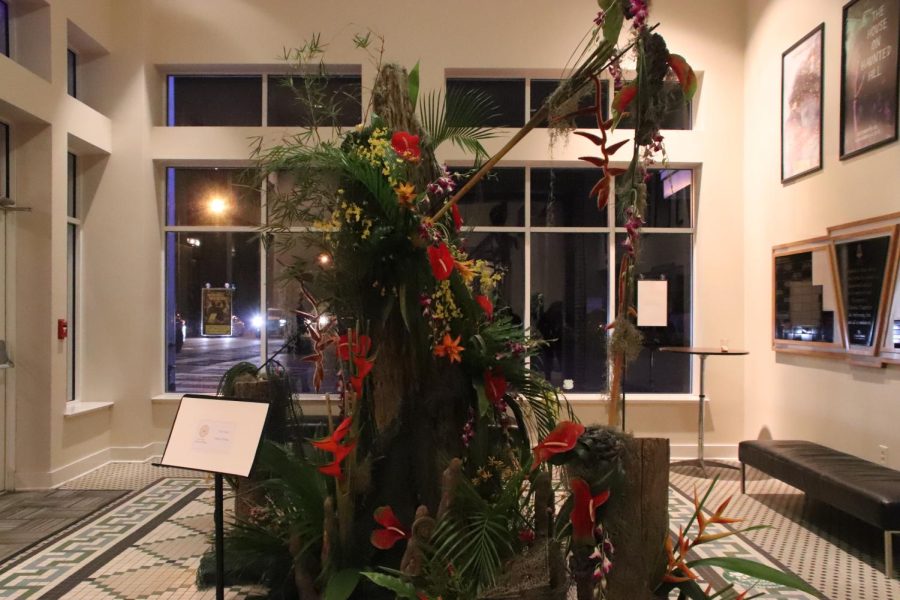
column 84, row 465
column 710, row 451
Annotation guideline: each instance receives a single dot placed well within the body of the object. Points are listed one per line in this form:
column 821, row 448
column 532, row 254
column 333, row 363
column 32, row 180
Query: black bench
column 859, row 487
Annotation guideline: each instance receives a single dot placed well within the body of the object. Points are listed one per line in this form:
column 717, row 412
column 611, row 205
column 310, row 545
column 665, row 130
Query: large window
column 213, row 317
column 509, row 93
column 72, row 72
column 238, row 100
column 561, row 254
column 73, row 229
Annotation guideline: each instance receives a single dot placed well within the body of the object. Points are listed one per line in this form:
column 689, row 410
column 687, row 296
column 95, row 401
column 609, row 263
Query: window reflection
column 569, row 292
column 211, row 197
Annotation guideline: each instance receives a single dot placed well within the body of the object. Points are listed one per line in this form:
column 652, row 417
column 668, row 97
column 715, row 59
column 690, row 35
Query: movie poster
column 801, row 106
column 216, row 311
column 869, row 75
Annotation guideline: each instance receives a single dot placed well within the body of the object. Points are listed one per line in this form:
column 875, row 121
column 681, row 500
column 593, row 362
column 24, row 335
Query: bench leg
column 743, row 478
column 889, row 553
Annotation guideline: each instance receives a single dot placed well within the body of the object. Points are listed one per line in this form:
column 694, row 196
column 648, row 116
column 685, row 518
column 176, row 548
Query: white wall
column 850, row 408
column 122, row 285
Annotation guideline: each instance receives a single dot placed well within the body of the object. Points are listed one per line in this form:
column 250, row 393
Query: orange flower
column 465, row 269
column 450, row 348
column 406, row 194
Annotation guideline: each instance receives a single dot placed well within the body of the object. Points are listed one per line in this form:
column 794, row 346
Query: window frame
column 611, row 230
column 72, row 64
column 167, row 181
column 73, row 272
column 7, row 30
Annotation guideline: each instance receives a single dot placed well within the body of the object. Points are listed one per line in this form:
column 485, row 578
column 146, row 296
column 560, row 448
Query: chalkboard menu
column 800, row 314
column 861, row 269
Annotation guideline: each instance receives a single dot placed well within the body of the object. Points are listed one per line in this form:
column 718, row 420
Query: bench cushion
column 862, row 488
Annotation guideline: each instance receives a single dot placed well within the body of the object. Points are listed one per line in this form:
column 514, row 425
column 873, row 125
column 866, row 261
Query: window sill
column 169, row 398
column 76, row 408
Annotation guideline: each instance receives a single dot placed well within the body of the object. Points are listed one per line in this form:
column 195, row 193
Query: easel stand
column 219, row 517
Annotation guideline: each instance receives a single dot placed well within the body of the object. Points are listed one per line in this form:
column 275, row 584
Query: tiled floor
column 149, row 543
column 29, row 517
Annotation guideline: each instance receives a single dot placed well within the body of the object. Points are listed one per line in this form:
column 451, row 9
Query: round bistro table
column 703, row 353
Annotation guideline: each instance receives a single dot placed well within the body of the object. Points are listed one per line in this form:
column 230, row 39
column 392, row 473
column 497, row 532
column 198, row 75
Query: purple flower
column 600, row 19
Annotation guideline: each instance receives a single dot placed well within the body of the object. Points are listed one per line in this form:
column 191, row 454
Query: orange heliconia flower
column 450, row 348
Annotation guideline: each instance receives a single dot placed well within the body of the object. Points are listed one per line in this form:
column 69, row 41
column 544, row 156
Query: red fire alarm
column 62, row 329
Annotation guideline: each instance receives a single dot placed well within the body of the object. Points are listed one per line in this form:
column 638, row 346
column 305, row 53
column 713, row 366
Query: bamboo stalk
column 584, row 72
column 539, row 116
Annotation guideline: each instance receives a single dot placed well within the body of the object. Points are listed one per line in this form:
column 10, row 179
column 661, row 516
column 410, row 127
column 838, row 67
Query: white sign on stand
column 652, row 309
column 216, row 435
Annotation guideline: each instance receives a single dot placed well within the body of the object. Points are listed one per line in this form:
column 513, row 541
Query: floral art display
column 449, row 468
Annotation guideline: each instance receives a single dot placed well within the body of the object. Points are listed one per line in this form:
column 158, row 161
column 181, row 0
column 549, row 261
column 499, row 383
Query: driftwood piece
column 637, row 520
column 543, row 506
column 449, row 482
column 414, row 557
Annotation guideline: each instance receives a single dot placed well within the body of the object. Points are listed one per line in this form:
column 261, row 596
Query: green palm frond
column 475, row 536
column 453, row 117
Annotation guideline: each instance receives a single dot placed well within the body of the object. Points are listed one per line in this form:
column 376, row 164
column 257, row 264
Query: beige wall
column 850, row 408
column 742, row 209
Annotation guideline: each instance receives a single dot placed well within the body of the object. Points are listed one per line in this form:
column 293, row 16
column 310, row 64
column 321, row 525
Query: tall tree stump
column 637, row 519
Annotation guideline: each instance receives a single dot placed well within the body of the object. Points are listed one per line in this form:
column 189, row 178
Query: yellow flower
column 406, row 193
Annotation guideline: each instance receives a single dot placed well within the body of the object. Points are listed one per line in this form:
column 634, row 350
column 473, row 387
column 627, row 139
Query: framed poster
column 801, row 106
column 862, row 261
column 218, row 435
column 869, row 75
column 216, row 308
column 805, row 310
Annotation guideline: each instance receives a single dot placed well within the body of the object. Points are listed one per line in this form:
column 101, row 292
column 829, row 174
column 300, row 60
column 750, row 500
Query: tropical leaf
column 612, row 25
column 413, row 84
column 341, row 584
column 402, row 588
column 757, row 570
column 452, row 117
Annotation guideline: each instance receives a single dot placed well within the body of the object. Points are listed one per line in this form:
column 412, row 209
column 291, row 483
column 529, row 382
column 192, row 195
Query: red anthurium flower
column 406, row 146
column 562, row 439
column 685, row 74
column 392, row 529
column 457, row 217
column 584, row 512
column 486, row 305
column 442, row 262
column 494, row 385
column 624, row 98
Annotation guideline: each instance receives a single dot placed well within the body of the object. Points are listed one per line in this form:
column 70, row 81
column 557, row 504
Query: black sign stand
column 219, row 517
column 219, row 505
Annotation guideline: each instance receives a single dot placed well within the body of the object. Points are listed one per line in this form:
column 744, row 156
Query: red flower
column 334, row 467
column 584, row 512
column 526, row 536
column 350, row 342
column 494, row 385
column 457, row 217
column 363, row 367
column 332, row 444
column 624, row 98
column 685, row 74
column 562, row 439
column 442, row 262
column 393, row 530
column 486, row 305
column 406, row 146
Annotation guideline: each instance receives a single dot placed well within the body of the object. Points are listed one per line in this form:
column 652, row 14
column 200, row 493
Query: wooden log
column 637, row 520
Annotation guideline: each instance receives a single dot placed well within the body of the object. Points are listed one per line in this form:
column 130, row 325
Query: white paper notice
column 821, row 275
column 652, row 303
column 216, row 435
column 213, row 436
